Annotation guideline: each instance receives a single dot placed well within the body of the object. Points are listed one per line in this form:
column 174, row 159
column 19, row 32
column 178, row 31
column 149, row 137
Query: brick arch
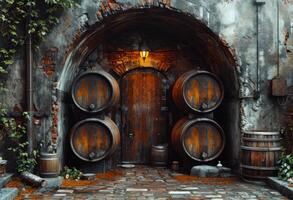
column 208, row 45
column 214, row 50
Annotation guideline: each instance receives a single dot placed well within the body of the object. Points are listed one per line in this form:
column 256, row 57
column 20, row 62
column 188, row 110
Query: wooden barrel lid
column 95, row 91
column 198, row 91
column 203, row 91
column 93, row 139
column 203, row 139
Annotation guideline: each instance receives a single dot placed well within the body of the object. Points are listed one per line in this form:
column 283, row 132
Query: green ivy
column 16, row 132
column 286, row 167
column 18, row 19
column 42, row 15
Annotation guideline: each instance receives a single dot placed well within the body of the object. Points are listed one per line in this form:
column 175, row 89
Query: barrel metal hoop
column 261, row 133
column 253, row 176
column 265, row 149
column 261, row 139
column 48, row 173
column 259, row 168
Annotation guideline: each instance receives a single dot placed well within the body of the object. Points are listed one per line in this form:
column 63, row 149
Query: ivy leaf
column 2, row 70
column 12, row 51
column 31, row 30
column 8, row 62
column 3, row 18
column 14, row 41
column 13, row 33
column 3, row 51
column 10, row 1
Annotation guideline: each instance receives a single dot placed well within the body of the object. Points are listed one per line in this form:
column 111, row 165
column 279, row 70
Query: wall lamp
column 144, row 53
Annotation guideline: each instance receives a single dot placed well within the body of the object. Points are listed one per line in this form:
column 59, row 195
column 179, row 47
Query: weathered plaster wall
column 233, row 20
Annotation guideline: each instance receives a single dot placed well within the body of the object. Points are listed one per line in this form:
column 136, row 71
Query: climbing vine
column 18, row 19
column 21, row 17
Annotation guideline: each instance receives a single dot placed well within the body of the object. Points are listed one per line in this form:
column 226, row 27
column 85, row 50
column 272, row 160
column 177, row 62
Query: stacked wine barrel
column 94, row 138
column 198, row 138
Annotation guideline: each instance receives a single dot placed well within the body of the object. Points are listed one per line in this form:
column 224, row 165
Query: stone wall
column 235, row 21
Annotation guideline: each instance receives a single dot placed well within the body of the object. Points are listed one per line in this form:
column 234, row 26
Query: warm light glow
column 144, row 54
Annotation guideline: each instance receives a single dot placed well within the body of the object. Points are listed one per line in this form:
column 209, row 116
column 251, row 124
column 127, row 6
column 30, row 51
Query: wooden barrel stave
column 95, row 91
column 198, row 91
column 260, row 152
column 94, row 139
column 199, row 139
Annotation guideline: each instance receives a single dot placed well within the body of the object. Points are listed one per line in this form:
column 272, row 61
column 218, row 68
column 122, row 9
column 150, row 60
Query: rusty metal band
column 265, row 149
column 261, row 139
column 259, row 168
column 261, row 133
column 253, row 176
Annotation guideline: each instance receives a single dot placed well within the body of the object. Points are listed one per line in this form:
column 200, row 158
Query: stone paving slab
column 5, row 179
column 8, row 193
column 141, row 183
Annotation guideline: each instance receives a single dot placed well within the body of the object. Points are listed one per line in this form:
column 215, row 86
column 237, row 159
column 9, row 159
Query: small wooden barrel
column 260, row 152
column 3, row 164
column 95, row 91
column 159, row 155
column 198, row 91
column 200, row 139
column 93, row 139
column 49, row 165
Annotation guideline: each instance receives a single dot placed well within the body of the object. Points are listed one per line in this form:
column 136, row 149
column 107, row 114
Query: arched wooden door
column 144, row 116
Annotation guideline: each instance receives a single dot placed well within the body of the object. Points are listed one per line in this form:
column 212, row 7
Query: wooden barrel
column 93, row 139
column 49, row 165
column 200, row 139
column 3, row 164
column 260, row 152
column 159, row 155
column 198, row 91
column 95, row 91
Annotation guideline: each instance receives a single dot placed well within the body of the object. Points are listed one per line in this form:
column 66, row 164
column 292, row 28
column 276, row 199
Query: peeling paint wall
column 233, row 20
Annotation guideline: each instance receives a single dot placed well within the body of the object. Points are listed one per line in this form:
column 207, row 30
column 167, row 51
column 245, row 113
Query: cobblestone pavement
column 153, row 183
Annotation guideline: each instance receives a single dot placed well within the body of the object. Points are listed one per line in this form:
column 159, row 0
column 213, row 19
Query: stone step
column 281, row 186
column 8, row 193
column 5, row 179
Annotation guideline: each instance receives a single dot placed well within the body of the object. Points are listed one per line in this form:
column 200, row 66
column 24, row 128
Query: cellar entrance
column 145, row 110
column 144, row 116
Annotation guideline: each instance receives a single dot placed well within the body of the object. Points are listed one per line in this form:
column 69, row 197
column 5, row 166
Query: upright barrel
column 49, row 165
column 198, row 91
column 95, row 91
column 200, row 139
column 94, row 139
column 260, row 152
column 159, row 155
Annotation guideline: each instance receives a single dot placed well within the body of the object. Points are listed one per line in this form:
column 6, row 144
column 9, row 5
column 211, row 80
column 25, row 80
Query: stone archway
column 199, row 40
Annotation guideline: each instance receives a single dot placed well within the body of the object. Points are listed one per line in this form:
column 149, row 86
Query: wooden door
column 144, row 116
